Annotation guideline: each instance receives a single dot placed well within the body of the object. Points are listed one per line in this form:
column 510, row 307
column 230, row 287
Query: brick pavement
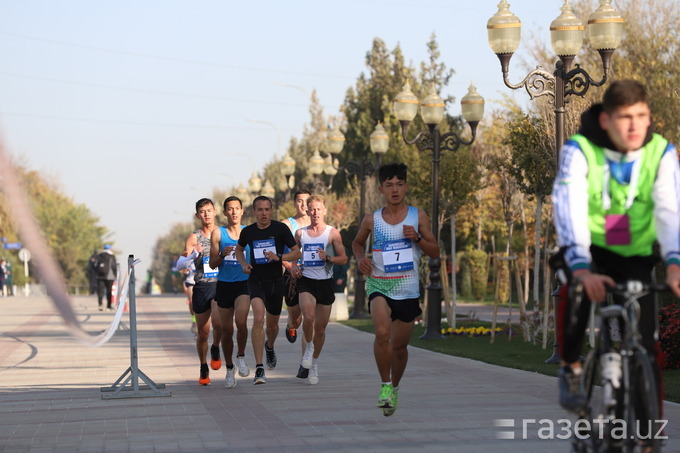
column 50, row 399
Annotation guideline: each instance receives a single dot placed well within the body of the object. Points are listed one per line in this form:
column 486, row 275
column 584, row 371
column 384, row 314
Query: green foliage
column 503, row 281
column 530, row 160
column 165, row 254
column 71, row 230
column 477, row 260
column 465, row 275
column 473, row 271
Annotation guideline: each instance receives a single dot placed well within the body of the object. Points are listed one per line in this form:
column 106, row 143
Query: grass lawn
column 512, row 354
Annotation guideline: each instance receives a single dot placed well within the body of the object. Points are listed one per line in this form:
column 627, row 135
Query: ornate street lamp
column 268, row 190
column 369, row 165
column 254, row 183
column 605, row 27
column 432, row 112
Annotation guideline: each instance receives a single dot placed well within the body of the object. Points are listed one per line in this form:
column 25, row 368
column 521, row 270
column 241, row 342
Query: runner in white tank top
column 399, row 232
column 321, row 247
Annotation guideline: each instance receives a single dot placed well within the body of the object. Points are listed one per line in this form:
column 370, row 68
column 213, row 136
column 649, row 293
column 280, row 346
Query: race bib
column 617, row 229
column 310, row 255
column 259, row 247
column 397, row 255
column 208, row 272
column 230, row 259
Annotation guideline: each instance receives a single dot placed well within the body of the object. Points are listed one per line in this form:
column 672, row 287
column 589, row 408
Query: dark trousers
column 620, row 269
column 105, row 287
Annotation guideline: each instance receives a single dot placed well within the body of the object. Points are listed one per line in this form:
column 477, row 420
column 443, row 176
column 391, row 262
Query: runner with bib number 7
column 400, row 232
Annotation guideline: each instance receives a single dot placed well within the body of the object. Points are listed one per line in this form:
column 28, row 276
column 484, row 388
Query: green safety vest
column 641, row 213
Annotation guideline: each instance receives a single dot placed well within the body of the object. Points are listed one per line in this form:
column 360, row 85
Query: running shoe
column 385, row 397
column 101, row 308
column 215, row 359
column 194, row 329
column 308, row 355
column 230, row 381
column 313, row 375
column 243, row 369
column 291, row 334
column 259, row 376
column 271, row 356
column 572, row 394
column 204, row 378
column 387, row 411
column 303, row 372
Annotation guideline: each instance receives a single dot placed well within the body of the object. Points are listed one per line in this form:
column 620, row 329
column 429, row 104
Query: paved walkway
column 50, row 399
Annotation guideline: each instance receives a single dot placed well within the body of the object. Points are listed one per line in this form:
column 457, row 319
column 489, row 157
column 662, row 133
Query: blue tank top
column 230, row 269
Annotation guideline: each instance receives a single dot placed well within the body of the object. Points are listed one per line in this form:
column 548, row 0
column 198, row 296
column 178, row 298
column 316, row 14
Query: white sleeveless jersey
column 395, row 259
column 312, row 265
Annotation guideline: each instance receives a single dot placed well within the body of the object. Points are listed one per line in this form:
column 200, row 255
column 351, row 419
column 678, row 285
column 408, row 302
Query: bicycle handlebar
column 634, row 287
column 626, row 289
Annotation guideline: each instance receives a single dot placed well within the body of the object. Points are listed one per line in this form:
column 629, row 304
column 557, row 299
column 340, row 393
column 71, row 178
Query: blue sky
column 139, row 108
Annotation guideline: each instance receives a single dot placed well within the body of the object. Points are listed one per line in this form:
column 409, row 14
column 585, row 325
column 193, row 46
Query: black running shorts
column 202, row 297
column 270, row 291
column 405, row 310
column 321, row 290
column 228, row 292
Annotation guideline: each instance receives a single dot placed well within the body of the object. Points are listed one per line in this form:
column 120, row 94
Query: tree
column 71, row 230
column 165, row 253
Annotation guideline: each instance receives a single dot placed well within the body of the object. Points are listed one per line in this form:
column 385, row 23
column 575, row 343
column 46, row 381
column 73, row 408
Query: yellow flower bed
column 470, row 331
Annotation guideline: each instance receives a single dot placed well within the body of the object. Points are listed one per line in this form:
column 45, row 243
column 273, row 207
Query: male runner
column 321, row 247
column 291, row 294
column 197, row 249
column 400, row 232
column 232, row 289
column 266, row 238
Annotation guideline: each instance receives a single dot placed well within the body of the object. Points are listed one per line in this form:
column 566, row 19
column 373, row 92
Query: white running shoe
column 230, row 381
column 243, row 369
column 313, row 375
column 307, row 356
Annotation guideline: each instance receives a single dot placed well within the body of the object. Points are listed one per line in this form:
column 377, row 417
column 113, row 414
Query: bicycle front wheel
column 642, row 405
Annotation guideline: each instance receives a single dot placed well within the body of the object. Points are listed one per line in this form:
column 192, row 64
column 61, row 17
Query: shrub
column 669, row 335
column 477, row 263
column 465, row 275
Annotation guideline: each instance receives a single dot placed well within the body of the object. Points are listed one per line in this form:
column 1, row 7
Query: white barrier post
column 130, row 388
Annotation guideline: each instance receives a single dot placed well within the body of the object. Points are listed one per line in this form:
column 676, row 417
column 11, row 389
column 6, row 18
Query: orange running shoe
column 204, row 378
column 215, row 359
column 291, row 334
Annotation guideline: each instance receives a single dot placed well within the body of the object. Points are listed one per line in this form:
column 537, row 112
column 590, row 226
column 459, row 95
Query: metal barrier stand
column 127, row 385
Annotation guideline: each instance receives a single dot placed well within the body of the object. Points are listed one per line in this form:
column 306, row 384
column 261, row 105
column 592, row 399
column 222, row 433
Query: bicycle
column 622, row 415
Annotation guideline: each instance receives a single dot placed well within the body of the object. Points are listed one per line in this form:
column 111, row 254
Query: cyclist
column 617, row 191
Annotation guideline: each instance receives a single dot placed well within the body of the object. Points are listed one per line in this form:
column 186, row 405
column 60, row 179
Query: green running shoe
column 385, row 397
column 387, row 411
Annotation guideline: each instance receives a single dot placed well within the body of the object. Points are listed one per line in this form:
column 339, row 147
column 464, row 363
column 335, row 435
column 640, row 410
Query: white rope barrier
column 45, row 264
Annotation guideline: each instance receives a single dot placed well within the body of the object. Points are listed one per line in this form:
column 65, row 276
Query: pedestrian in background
column 107, row 270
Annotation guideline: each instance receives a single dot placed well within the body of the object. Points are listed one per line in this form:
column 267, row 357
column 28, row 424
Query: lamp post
column 605, row 27
column 432, row 112
column 367, row 166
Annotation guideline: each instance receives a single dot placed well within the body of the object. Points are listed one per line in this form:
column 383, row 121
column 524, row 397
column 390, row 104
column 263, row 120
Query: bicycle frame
column 619, row 402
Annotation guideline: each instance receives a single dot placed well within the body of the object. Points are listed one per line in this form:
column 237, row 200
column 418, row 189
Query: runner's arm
column 570, row 200
column 216, row 257
column 359, row 244
column 428, row 243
